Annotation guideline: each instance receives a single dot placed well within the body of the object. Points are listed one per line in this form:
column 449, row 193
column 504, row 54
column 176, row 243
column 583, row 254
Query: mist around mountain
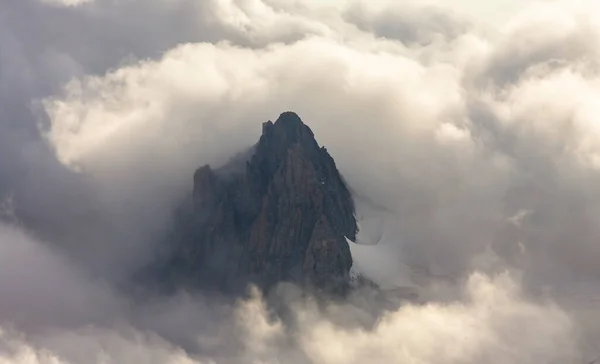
column 281, row 215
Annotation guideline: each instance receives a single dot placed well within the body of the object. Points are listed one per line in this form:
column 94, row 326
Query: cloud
column 66, row 2
column 41, row 287
column 92, row 346
column 409, row 23
column 492, row 322
column 419, row 129
column 467, row 149
column 484, row 328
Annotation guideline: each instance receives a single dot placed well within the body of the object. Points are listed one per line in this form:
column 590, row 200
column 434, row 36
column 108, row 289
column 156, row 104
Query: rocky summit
column 280, row 212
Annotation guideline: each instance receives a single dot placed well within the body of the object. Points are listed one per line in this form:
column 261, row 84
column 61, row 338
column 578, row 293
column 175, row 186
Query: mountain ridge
column 282, row 213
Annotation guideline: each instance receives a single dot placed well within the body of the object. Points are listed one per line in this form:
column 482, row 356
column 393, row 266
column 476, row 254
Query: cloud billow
column 469, row 151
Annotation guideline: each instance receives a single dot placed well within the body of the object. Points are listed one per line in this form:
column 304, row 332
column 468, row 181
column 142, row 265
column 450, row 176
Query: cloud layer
column 490, row 321
column 456, row 133
column 470, row 151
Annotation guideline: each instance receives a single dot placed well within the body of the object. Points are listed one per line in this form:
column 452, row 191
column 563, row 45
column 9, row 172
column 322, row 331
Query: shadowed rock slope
column 281, row 212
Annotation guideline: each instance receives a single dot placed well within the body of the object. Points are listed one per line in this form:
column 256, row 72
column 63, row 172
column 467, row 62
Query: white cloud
column 494, row 325
column 92, row 346
column 448, row 134
column 491, row 323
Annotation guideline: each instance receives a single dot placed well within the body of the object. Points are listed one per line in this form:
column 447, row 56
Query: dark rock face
column 283, row 216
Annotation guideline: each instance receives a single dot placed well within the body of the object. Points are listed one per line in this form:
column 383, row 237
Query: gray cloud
column 42, row 288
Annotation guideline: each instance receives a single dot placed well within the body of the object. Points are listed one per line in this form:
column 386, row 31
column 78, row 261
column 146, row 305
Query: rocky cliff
column 281, row 212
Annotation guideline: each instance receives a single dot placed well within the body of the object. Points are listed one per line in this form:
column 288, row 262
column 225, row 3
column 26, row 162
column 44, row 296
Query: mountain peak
column 289, row 119
column 285, row 217
column 287, row 130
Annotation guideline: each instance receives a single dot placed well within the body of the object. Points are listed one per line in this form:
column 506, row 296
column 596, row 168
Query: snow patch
column 376, row 251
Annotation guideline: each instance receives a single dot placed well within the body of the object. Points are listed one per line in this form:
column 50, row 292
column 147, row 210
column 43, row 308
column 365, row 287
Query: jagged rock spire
column 285, row 217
